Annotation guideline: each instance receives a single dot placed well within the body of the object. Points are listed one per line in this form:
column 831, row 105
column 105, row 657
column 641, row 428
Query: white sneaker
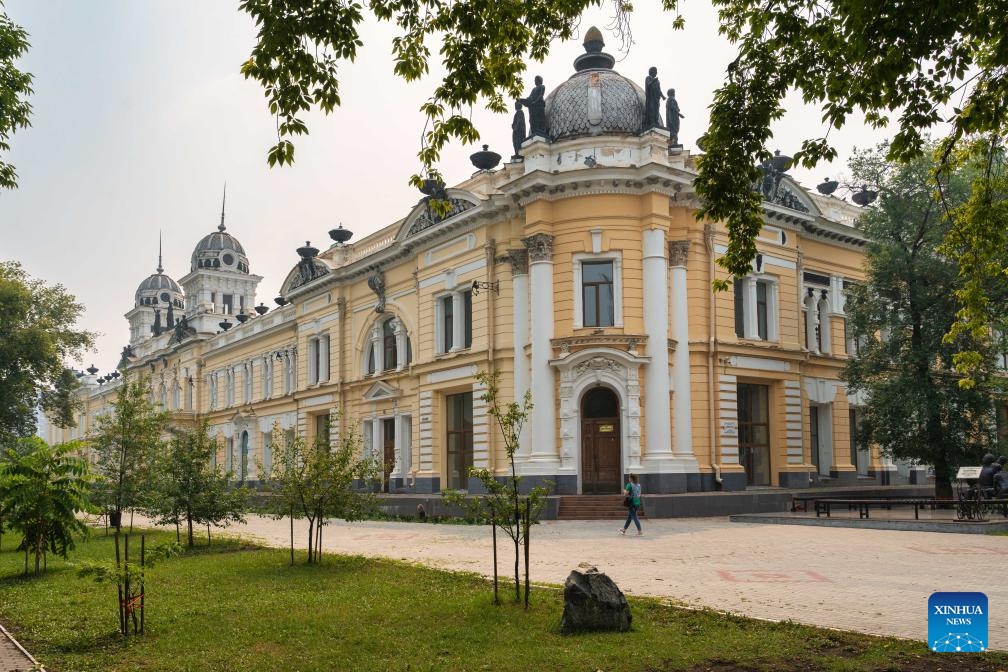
column 622, row 531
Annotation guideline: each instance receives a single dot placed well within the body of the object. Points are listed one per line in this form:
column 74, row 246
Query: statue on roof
column 518, row 130
column 652, row 100
column 536, row 102
column 672, row 117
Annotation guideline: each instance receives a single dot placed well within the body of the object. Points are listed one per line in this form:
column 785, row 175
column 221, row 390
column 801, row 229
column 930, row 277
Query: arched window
column 387, row 347
column 389, row 344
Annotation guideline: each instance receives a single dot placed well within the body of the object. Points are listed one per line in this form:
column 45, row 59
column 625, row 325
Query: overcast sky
column 141, row 115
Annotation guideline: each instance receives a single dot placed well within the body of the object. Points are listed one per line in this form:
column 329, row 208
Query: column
column 656, row 326
column 543, row 426
column 400, row 343
column 520, row 290
column 377, row 440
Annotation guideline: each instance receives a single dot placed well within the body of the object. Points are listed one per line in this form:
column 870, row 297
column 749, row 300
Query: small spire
column 223, row 201
column 160, row 269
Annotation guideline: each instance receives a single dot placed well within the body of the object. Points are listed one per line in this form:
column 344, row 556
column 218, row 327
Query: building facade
column 580, row 271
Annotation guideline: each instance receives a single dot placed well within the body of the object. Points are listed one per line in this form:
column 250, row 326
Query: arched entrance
column 600, row 441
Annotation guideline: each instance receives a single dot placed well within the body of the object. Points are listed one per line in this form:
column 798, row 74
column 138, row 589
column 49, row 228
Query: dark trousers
column 632, row 515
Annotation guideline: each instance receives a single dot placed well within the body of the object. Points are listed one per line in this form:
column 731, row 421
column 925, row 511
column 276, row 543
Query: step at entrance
column 592, row 507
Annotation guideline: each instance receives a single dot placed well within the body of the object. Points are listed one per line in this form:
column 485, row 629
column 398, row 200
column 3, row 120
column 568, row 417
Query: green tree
column 37, row 336
column 908, row 66
column 898, row 318
column 42, row 489
column 15, row 87
column 316, row 481
column 189, row 489
column 126, row 442
column 505, row 505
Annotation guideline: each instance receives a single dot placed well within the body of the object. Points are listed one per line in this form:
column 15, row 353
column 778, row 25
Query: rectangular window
column 467, row 318
column 322, row 424
column 597, row 294
column 447, row 322
column 228, row 301
column 389, row 346
column 756, row 309
column 318, row 359
column 761, row 309
column 459, row 416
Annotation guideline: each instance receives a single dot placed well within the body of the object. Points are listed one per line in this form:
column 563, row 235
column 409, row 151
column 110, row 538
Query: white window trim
column 458, row 325
column 749, row 317
column 617, row 259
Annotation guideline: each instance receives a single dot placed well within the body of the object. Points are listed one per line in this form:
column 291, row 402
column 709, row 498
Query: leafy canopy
column 189, row 488
column 484, row 46
column 37, row 335
column 898, row 318
column 125, row 444
column 15, row 87
column 42, row 489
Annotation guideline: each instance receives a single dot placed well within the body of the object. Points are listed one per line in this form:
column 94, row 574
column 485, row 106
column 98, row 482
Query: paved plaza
column 871, row 581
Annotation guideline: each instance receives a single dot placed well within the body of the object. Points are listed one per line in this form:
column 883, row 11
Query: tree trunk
column 311, row 538
column 292, row 537
column 191, row 541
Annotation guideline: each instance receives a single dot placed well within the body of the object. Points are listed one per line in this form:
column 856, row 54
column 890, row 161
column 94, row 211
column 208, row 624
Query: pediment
column 304, row 272
column 786, row 193
column 423, row 218
column 379, row 391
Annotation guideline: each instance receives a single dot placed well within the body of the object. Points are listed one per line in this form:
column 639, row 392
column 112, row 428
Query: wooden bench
column 825, row 505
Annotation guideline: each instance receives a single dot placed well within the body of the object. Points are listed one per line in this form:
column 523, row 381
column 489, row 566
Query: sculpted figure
column 652, row 100
column 536, row 102
column 518, row 129
column 672, row 117
column 987, row 471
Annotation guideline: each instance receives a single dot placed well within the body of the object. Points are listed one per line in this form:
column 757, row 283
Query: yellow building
column 580, row 271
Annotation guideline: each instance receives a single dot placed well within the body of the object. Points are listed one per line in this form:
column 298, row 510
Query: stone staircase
column 592, row 507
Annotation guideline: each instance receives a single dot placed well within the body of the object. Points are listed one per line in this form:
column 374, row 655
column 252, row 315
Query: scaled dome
column 596, row 99
column 159, row 290
column 220, row 251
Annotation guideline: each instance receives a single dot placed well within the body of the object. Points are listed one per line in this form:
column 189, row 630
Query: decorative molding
column 539, row 246
column 519, row 260
column 678, row 252
column 376, row 281
column 429, row 217
column 629, row 342
column 597, row 363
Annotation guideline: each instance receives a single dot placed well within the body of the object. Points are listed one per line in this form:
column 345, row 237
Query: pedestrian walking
column 633, row 502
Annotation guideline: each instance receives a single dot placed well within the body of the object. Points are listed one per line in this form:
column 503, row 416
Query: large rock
column 592, row 603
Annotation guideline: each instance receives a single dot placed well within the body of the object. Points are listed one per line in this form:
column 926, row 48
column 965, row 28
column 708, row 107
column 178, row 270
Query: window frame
column 616, row 258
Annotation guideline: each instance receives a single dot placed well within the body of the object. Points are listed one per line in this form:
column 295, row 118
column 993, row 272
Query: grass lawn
column 234, row 607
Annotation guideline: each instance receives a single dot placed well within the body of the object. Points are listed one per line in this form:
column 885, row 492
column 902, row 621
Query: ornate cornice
column 628, row 342
column 539, row 246
column 678, row 252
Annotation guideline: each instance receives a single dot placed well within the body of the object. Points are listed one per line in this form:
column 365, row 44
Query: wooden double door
column 601, row 464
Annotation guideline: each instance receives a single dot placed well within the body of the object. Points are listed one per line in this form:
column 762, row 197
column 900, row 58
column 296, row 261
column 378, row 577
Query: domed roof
column 220, row 251
column 159, row 290
column 596, row 99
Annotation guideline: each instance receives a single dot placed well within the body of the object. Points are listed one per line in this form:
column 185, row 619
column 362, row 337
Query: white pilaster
column 520, row 290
